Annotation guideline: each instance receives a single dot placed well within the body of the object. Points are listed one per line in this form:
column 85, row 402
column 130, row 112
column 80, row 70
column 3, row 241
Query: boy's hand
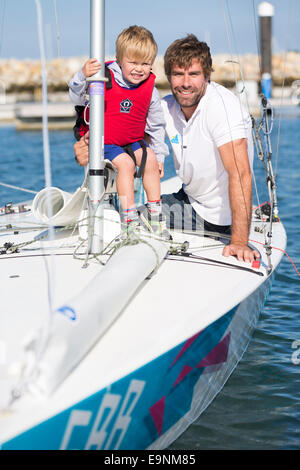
column 161, row 169
column 91, row 67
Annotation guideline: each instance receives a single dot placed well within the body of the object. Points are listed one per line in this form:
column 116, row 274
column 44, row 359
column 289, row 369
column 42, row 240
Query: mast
column 96, row 141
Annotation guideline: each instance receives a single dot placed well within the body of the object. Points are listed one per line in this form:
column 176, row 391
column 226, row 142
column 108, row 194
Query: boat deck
column 180, row 300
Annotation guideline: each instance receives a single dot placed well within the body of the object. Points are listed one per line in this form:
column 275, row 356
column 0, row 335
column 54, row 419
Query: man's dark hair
column 182, row 52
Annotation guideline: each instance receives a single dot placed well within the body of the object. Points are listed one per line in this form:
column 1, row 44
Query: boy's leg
column 125, row 182
column 151, row 182
column 125, row 188
column 125, row 178
column 151, row 176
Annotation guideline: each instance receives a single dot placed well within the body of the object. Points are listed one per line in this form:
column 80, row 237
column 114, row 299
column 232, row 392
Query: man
column 210, row 134
column 212, row 146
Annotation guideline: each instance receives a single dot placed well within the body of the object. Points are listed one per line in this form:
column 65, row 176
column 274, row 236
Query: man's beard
column 194, row 100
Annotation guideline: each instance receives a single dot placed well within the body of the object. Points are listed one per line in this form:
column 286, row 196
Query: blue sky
column 167, row 19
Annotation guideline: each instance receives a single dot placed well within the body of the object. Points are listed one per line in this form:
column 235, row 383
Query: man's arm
column 235, row 160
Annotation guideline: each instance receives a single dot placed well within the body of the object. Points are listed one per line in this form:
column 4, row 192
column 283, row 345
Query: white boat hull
column 157, row 367
column 160, row 399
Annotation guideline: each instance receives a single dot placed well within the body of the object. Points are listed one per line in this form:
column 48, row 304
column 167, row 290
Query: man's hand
column 81, row 150
column 242, row 252
column 91, row 67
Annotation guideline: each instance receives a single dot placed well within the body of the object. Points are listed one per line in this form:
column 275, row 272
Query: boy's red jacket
column 125, row 113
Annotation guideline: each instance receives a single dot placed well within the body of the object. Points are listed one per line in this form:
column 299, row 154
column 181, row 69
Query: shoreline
column 27, row 115
column 21, row 76
column 21, row 92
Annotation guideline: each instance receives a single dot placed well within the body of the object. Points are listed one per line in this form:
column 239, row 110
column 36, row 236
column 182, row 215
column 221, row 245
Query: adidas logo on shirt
column 175, row 139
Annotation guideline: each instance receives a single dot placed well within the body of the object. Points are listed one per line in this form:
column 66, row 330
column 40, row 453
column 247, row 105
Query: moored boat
column 122, row 346
column 168, row 352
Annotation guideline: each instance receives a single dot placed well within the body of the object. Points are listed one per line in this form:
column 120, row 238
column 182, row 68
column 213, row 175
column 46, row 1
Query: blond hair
column 136, row 42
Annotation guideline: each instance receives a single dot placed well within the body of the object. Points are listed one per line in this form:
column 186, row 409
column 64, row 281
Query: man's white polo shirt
column 218, row 119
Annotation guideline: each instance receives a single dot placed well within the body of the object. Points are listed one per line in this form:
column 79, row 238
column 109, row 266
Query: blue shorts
column 111, row 151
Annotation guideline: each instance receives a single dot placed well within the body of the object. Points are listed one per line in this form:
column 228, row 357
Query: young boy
column 132, row 106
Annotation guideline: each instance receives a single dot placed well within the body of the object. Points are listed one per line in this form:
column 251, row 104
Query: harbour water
column 259, row 407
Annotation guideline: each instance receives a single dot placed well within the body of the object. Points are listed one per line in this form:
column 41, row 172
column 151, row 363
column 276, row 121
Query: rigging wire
column 39, row 347
column 36, row 350
column 256, row 141
column 46, row 145
column 236, row 51
column 264, row 126
column 256, row 36
column 248, row 215
column 18, row 188
column 58, row 39
column 283, row 83
column 256, row 136
column 57, row 30
column 283, row 75
column 226, row 21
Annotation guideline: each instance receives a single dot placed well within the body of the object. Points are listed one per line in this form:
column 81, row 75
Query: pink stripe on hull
column 157, row 413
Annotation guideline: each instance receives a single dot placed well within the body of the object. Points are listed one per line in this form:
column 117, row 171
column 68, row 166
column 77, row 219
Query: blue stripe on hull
column 142, row 407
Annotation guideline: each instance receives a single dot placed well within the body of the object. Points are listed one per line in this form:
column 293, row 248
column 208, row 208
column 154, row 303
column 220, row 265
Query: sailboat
column 135, row 339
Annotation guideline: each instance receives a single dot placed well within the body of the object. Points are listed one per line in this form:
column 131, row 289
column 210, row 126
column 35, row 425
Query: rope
column 282, row 251
column 202, row 234
column 214, row 262
column 121, row 240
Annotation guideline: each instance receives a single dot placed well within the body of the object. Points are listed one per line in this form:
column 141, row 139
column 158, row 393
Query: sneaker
column 130, row 229
column 158, row 225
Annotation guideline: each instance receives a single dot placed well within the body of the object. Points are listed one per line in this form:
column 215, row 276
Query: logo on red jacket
column 125, row 106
